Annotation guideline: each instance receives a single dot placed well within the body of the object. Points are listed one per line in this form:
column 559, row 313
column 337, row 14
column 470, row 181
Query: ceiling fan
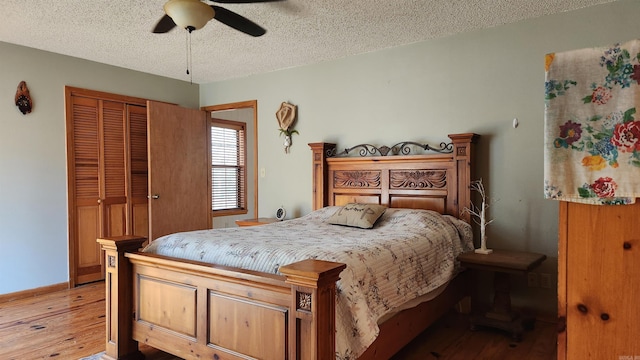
column 195, row 14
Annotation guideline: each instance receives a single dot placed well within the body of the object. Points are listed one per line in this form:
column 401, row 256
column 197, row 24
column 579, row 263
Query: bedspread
column 405, row 255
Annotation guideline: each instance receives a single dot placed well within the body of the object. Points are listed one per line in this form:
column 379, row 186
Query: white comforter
column 407, row 254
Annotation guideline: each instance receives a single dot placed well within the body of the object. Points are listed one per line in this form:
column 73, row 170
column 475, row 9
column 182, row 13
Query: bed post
column 312, row 315
column 119, row 297
column 320, row 154
column 463, row 152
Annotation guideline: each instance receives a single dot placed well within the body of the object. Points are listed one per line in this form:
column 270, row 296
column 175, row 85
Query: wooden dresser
column 599, row 282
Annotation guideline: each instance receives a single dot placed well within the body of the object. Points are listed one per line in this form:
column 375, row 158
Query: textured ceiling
column 299, row 32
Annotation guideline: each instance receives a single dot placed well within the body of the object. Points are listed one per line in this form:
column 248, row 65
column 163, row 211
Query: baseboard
column 33, row 292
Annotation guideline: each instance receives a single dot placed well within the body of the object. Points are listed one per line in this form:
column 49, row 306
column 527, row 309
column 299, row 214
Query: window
column 228, row 172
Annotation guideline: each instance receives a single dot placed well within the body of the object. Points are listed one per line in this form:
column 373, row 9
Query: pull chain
column 189, row 55
column 187, row 48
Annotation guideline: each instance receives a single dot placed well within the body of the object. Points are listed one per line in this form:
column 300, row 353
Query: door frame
column 253, row 104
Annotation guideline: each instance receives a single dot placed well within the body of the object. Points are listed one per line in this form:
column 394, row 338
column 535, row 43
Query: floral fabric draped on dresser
column 592, row 130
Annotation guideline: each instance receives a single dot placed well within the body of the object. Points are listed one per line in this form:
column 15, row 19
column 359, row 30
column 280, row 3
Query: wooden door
column 83, row 164
column 97, row 182
column 113, row 169
column 599, row 254
column 179, row 187
column 107, row 175
column 138, row 165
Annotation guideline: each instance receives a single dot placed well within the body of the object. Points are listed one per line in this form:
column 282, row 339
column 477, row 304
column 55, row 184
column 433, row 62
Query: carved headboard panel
column 437, row 182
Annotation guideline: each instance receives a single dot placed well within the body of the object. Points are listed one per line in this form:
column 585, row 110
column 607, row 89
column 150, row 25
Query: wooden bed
column 196, row 311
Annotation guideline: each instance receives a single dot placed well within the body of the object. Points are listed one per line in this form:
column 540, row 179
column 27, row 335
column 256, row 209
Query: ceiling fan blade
column 164, row 25
column 242, row 1
column 237, row 21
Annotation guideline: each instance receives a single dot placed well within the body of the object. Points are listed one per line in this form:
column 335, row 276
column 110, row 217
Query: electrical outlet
column 545, row 281
column 532, row 280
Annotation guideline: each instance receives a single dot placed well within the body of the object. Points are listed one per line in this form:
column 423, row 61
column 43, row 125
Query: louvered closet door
column 107, row 175
column 98, row 182
column 139, row 170
column 84, row 190
column 114, row 168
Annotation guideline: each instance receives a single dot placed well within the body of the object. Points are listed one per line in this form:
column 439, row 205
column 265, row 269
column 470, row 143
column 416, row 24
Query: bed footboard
column 194, row 310
column 119, row 297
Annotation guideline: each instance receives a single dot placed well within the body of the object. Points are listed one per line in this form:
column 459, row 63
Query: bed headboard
column 438, row 181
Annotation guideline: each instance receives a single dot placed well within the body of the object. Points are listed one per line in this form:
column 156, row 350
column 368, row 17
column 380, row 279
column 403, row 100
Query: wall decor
column 286, row 116
column 593, row 155
column 23, row 99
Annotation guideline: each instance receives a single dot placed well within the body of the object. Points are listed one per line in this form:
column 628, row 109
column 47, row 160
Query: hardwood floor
column 451, row 339
column 69, row 324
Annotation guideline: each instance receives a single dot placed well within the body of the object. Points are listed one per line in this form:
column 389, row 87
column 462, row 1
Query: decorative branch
column 481, row 214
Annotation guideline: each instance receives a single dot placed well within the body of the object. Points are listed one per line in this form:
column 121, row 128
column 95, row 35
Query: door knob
column 155, row 196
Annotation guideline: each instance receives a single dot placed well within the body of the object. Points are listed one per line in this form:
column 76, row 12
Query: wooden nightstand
column 254, row 222
column 502, row 263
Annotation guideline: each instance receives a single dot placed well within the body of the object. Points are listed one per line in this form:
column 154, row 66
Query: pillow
column 357, row 215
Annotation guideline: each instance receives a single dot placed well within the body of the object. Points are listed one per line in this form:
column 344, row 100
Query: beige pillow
column 358, row 215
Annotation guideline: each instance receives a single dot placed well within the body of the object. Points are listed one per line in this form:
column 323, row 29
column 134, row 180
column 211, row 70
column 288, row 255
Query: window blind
column 227, row 165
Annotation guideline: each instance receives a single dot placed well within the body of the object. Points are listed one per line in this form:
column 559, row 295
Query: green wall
column 33, row 199
column 471, row 82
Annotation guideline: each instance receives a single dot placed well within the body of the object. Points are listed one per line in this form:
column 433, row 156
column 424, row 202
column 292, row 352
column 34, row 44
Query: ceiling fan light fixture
column 189, row 13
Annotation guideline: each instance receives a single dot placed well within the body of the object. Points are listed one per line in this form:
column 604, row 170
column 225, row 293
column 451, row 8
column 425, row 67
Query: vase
column 287, row 143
